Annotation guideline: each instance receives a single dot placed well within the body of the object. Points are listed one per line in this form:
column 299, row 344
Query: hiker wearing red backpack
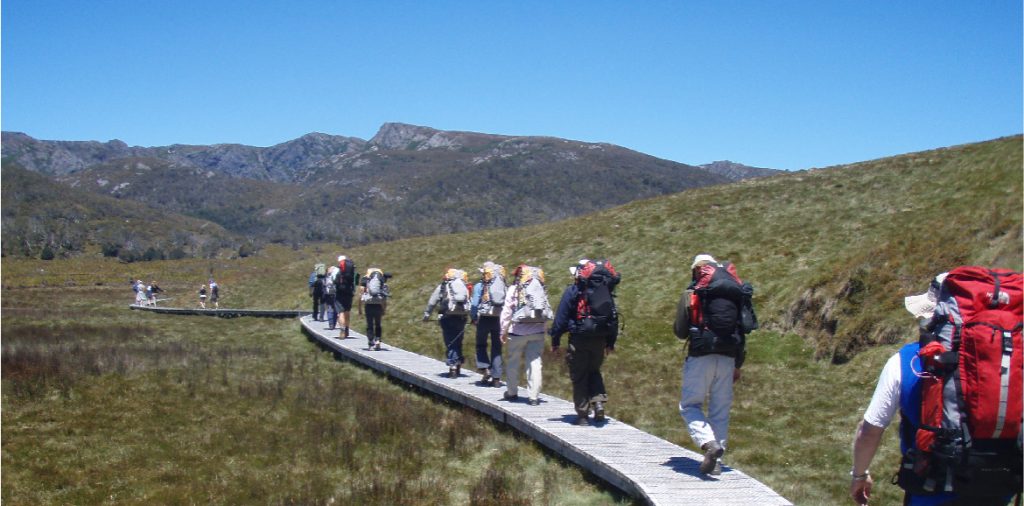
column 587, row 312
column 714, row 318
column 958, row 390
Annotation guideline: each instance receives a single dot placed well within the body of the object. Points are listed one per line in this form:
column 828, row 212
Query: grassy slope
column 831, row 253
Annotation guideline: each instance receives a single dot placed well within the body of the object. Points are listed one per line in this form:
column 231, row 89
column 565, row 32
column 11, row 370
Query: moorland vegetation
column 831, row 254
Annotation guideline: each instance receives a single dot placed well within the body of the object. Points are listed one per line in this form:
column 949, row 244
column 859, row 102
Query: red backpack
column 968, row 442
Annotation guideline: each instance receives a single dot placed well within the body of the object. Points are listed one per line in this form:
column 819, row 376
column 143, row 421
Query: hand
column 608, row 350
column 860, row 490
column 426, row 317
column 736, row 374
column 504, row 337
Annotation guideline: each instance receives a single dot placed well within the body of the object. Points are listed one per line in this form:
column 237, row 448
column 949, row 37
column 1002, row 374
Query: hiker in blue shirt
column 485, row 310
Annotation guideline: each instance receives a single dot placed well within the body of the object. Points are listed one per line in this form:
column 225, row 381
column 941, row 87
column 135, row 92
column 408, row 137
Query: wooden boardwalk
column 224, row 313
column 641, row 465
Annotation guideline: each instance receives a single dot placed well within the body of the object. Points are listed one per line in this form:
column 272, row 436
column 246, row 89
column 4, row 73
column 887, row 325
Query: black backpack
column 596, row 314
column 346, row 276
column 721, row 329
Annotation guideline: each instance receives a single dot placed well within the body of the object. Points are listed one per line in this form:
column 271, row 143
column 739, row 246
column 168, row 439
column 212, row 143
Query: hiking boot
column 533, row 402
column 718, row 468
column 376, row 346
column 496, row 382
column 487, row 376
column 712, row 452
column 452, row 373
column 581, row 418
column 458, row 370
column 598, row 411
column 510, row 397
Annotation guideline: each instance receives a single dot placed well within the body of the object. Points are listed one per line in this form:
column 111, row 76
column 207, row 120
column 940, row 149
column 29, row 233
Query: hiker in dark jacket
column 316, row 291
column 587, row 347
column 717, row 349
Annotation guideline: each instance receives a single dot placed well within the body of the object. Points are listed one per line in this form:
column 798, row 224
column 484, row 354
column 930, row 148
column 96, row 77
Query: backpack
column 329, row 288
column 320, row 269
column 968, row 440
column 377, row 290
column 531, row 298
column 455, row 293
column 716, row 316
column 346, row 275
column 596, row 314
column 492, row 296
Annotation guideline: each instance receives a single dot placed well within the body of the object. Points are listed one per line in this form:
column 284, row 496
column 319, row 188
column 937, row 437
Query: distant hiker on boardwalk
column 140, row 293
column 202, row 296
column 485, row 310
column 523, row 316
column 346, row 280
column 969, row 347
column 214, row 294
column 587, row 312
column 711, row 320
column 452, row 299
column 373, row 296
column 316, row 291
column 151, row 291
column 329, row 299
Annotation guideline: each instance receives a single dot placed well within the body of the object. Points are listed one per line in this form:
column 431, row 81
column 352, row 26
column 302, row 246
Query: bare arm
column 865, row 445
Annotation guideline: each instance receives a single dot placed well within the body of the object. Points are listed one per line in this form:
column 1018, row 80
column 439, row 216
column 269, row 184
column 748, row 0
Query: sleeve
column 562, row 316
column 886, row 400
column 435, row 297
column 505, row 320
column 474, row 301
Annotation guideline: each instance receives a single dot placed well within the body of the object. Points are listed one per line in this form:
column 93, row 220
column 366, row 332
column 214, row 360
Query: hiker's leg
column 533, row 351
column 451, row 330
column 577, row 357
column 483, row 360
column 516, row 348
column 720, row 399
column 691, row 402
column 595, row 383
column 494, row 329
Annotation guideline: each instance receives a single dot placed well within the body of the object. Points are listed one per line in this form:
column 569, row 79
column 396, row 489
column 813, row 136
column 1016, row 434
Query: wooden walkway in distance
column 638, row 463
column 224, row 313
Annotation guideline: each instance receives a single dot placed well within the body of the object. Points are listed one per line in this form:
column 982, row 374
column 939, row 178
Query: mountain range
column 405, row 181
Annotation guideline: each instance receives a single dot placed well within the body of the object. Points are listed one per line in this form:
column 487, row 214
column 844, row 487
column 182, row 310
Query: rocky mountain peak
column 403, row 136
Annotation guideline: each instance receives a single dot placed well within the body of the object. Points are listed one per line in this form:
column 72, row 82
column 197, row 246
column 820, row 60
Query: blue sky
column 782, row 84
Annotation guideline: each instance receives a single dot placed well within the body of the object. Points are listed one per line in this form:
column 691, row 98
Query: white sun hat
column 703, row 257
column 923, row 305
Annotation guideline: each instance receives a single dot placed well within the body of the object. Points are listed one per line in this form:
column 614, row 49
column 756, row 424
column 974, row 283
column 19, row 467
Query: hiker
column 346, row 280
column 484, row 312
column 905, row 382
column 316, row 291
column 451, row 297
column 140, row 293
column 523, row 318
column 587, row 312
column 214, row 294
column 202, row 296
column 373, row 296
column 716, row 351
column 152, row 290
column 328, row 297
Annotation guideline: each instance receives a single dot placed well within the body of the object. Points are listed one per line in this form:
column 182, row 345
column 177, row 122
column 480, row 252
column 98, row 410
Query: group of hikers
column 145, row 295
column 958, row 387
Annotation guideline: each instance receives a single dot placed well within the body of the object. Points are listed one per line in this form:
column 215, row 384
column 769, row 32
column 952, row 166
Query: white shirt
column 885, row 402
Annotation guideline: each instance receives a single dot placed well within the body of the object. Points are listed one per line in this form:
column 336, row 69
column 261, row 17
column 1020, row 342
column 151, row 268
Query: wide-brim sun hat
column 923, row 305
column 581, row 263
column 703, row 257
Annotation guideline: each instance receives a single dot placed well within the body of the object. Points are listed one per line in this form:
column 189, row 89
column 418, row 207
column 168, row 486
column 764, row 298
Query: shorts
column 345, row 301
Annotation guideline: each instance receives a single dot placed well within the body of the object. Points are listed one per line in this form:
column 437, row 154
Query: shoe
column 712, row 452
column 509, row 397
column 453, row 372
column 376, row 346
column 718, row 468
column 581, row 418
column 598, row 411
column 458, row 370
column 533, row 402
column 486, row 376
column 346, row 332
column 496, row 382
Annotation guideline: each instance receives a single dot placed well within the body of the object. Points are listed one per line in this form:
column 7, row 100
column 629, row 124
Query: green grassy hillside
column 831, row 253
